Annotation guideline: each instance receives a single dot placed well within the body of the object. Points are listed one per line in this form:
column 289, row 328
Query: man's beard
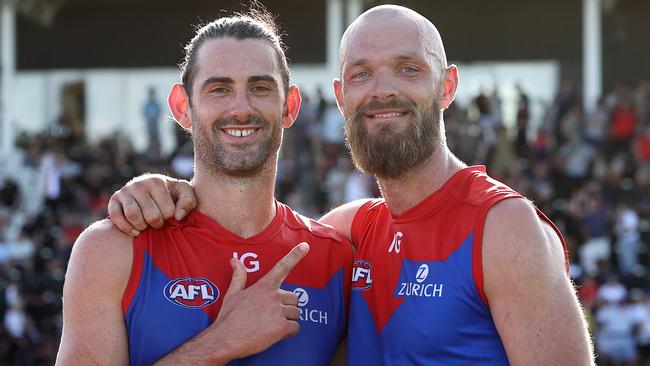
column 390, row 154
column 240, row 161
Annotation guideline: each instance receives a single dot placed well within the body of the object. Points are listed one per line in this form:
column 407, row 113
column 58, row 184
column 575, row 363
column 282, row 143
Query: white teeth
column 240, row 133
column 387, row 115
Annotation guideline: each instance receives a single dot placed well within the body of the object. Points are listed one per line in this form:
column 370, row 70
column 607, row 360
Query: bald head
column 393, row 20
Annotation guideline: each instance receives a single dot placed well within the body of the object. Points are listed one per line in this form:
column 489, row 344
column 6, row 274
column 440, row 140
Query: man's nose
column 240, row 107
column 384, row 86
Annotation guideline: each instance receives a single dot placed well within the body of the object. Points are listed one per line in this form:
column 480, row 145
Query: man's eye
column 360, row 75
column 261, row 89
column 219, row 90
column 410, row 69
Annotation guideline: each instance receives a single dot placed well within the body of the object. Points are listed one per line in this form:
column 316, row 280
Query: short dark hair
column 257, row 23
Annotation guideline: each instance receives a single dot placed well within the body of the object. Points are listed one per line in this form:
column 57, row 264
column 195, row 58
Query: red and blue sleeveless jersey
column 417, row 285
column 180, row 274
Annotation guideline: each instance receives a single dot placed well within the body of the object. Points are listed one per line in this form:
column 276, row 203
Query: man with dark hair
column 215, row 287
column 452, row 267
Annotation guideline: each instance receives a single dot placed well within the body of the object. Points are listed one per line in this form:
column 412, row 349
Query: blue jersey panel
column 320, row 321
column 440, row 303
column 155, row 325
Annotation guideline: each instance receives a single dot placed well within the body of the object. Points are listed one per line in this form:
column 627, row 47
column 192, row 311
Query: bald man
column 452, row 267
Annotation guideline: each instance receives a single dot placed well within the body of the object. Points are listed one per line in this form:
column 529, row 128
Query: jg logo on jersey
column 419, row 288
column 306, row 314
column 191, row 292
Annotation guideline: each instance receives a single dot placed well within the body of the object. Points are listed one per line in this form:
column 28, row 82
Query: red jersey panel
column 417, row 286
column 181, row 272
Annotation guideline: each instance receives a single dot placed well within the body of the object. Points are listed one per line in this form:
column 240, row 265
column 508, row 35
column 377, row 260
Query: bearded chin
column 236, row 163
column 388, row 154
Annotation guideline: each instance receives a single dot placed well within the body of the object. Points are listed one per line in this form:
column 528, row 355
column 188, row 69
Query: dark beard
column 388, row 154
column 239, row 164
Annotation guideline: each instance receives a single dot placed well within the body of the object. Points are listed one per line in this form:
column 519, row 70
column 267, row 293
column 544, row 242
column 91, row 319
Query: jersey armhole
column 477, row 243
column 557, row 231
column 347, row 272
column 136, row 273
column 356, row 229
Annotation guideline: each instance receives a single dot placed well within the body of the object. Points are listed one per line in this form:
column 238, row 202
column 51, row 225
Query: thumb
column 238, row 281
column 184, row 197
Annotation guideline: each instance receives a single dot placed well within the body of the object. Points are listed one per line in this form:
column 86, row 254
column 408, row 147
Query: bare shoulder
column 530, row 295
column 101, row 255
column 98, row 271
column 341, row 217
column 515, row 235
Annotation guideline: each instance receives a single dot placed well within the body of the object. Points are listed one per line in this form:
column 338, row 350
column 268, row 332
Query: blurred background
column 554, row 97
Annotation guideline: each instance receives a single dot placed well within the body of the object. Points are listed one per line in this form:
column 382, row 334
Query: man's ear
column 179, row 101
column 449, row 86
column 338, row 93
column 292, row 106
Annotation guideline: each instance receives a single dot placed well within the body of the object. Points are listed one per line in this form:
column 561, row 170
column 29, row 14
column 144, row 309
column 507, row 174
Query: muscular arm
column 531, row 298
column 93, row 326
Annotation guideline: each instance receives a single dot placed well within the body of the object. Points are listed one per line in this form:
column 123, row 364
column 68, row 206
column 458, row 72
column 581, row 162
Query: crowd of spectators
column 590, row 172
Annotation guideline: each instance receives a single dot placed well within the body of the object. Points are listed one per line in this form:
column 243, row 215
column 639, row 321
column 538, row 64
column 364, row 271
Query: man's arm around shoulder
column 93, row 324
column 341, row 217
column 531, row 298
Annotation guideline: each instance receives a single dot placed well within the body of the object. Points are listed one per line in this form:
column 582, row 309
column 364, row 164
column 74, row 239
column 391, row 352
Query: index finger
column 279, row 272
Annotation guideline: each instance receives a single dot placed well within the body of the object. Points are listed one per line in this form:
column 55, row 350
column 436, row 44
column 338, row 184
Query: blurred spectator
column 597, row 247
column 574, row 160
column 588, row 292
column 615, row 341
column 612, row 291
column 627, row 239
column 566, row 99
column 642, row 147
column 152, row 111
column 641, row 310
column 596, row 124
column 523, row 115
column 623, row 122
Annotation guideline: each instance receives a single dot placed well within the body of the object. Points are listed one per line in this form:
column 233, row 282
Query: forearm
column 204, row 349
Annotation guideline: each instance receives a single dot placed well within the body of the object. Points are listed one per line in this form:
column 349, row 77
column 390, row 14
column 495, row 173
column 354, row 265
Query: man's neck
column 243, row 206
column 405, row 192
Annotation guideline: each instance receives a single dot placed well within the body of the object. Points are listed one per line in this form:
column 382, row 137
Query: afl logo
column 422, row 273
column 361, row 275
column 191, row 292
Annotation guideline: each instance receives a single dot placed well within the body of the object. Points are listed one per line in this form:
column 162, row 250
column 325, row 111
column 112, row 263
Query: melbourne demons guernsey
column 417, row 287
column 181, row 272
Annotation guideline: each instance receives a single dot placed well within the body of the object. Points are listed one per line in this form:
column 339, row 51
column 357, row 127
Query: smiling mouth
column 386, row 115
column 238, row 132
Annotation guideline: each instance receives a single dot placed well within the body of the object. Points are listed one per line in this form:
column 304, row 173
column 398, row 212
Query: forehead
column 234, row 58
column 380, row 38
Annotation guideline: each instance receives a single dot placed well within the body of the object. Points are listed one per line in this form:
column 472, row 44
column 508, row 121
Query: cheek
column 269, row 108
column 352, row 99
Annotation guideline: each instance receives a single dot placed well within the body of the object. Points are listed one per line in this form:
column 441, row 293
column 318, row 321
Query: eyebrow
column 410, row 56
column 227, row 80
column 268, row 78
